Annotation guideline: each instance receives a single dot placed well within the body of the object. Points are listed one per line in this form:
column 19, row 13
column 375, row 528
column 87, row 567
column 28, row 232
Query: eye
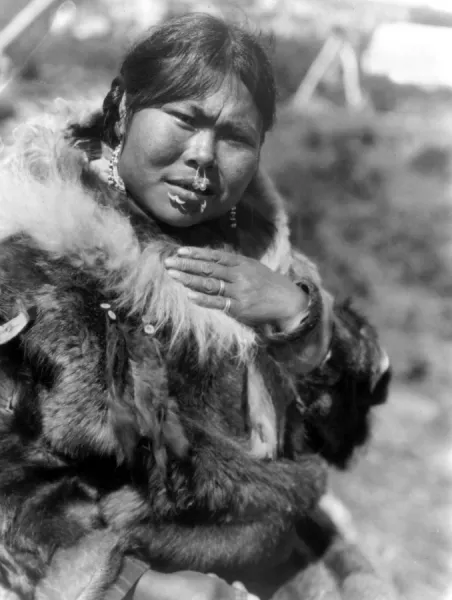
column 242, row 139
column 239, row 139
column 236, row 135
column 185, row 118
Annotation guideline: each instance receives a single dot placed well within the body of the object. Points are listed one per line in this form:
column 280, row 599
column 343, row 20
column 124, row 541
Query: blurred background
column 362, row 151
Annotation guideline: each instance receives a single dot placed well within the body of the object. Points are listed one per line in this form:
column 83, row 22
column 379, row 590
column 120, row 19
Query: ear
column 121, row 124
column 120, row 131
column 382, row 368
column 380, row 391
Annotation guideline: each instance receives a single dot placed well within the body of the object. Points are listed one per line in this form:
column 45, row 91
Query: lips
column 186, row 195
column 184, row 198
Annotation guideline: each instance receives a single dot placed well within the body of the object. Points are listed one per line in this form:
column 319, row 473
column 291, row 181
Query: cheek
column 238, row 168
column 151, row 145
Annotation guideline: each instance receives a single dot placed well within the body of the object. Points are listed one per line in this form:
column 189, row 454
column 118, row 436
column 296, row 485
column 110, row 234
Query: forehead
column 231, row 101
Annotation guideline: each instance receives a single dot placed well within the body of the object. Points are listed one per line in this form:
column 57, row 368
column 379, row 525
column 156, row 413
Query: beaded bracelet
column 309, row 321
column 284, row 342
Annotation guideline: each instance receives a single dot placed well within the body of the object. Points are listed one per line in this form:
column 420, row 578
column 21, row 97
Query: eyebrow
column 240, row 126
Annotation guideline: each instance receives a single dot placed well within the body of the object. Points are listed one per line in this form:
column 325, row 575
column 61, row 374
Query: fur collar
column 42, row 197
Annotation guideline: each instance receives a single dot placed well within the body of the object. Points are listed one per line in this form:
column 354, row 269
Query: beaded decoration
column 113, row 176
column 233, row 217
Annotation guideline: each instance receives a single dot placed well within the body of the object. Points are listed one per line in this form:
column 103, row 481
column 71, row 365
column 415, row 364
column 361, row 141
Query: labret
column 198, row 184
column 175, row 198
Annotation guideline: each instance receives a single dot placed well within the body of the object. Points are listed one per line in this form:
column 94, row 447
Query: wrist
column 155, row 586
column 298, row 313
column 309, row 340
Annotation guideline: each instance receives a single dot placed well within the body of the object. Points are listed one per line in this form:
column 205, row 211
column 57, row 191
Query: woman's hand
column 243, row 287
column 188, row 585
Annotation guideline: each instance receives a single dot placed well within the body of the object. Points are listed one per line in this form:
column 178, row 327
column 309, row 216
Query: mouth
column 184, row 197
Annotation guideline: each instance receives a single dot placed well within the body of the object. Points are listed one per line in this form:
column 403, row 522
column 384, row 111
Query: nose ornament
column 200, row 183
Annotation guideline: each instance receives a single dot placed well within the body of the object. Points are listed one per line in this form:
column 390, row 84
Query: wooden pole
column 350, row 74
column 23, row 20
column 316, row 72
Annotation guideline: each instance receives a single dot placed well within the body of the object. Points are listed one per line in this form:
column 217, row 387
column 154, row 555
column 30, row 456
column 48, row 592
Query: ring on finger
column 227, row 306
column 222, row 287
column 210, row 285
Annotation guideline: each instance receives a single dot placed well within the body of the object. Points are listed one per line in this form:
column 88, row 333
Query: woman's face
column 219, row 134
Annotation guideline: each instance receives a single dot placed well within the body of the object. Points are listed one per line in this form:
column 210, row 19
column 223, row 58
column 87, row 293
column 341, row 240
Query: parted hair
column 185, row 57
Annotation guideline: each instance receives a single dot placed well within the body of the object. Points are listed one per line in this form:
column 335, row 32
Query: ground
column 400, row 492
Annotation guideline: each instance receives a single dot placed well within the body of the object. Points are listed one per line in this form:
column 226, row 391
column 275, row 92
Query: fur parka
column 116, row 391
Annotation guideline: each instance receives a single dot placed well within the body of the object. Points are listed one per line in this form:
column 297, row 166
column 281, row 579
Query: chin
column 177, row 218
column 167, row 214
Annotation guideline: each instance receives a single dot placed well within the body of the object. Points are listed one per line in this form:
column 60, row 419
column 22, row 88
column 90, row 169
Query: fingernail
column 173, row 273
column 184, row 251
column 239, row 585
column 169, row 262
column 192, row 295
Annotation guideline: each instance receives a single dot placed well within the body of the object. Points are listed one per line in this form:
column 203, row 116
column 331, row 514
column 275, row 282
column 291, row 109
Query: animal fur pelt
column 129, row 416
column 41, row 197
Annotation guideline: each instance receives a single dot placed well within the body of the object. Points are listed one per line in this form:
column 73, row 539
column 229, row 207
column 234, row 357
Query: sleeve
column 16, row 316
column 306, row 345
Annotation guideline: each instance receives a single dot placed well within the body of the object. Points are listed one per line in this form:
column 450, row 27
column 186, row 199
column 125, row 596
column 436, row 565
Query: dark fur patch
column 341, row 393
column 109, row 431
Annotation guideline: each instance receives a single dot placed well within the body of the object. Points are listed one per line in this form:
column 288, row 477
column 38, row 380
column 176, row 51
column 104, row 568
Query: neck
column 213, row 233
column 133, row 208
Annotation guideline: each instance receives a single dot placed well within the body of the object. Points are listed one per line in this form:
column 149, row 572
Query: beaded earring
column 233, row 218
column 114, row 179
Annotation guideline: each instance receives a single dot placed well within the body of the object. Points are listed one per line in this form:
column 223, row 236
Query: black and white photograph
column 226, row 300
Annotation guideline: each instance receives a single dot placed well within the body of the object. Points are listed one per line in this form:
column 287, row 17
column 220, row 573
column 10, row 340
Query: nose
column 201, row 149
column 381, row 379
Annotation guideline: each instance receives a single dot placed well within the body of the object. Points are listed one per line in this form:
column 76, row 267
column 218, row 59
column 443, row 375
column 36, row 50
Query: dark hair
column 187, row 57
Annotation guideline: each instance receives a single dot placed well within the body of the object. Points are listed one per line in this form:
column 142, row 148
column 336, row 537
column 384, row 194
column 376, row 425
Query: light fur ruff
column 42, row 197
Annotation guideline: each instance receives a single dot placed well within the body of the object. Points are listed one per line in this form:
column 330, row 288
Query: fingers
column 217, row 256
column 226, row 304
column 199, row 267
column 241, row 593
column 206, row 285
column 208, row 292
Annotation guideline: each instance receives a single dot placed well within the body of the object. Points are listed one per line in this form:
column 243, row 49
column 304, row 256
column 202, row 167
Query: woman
column 145, row 292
